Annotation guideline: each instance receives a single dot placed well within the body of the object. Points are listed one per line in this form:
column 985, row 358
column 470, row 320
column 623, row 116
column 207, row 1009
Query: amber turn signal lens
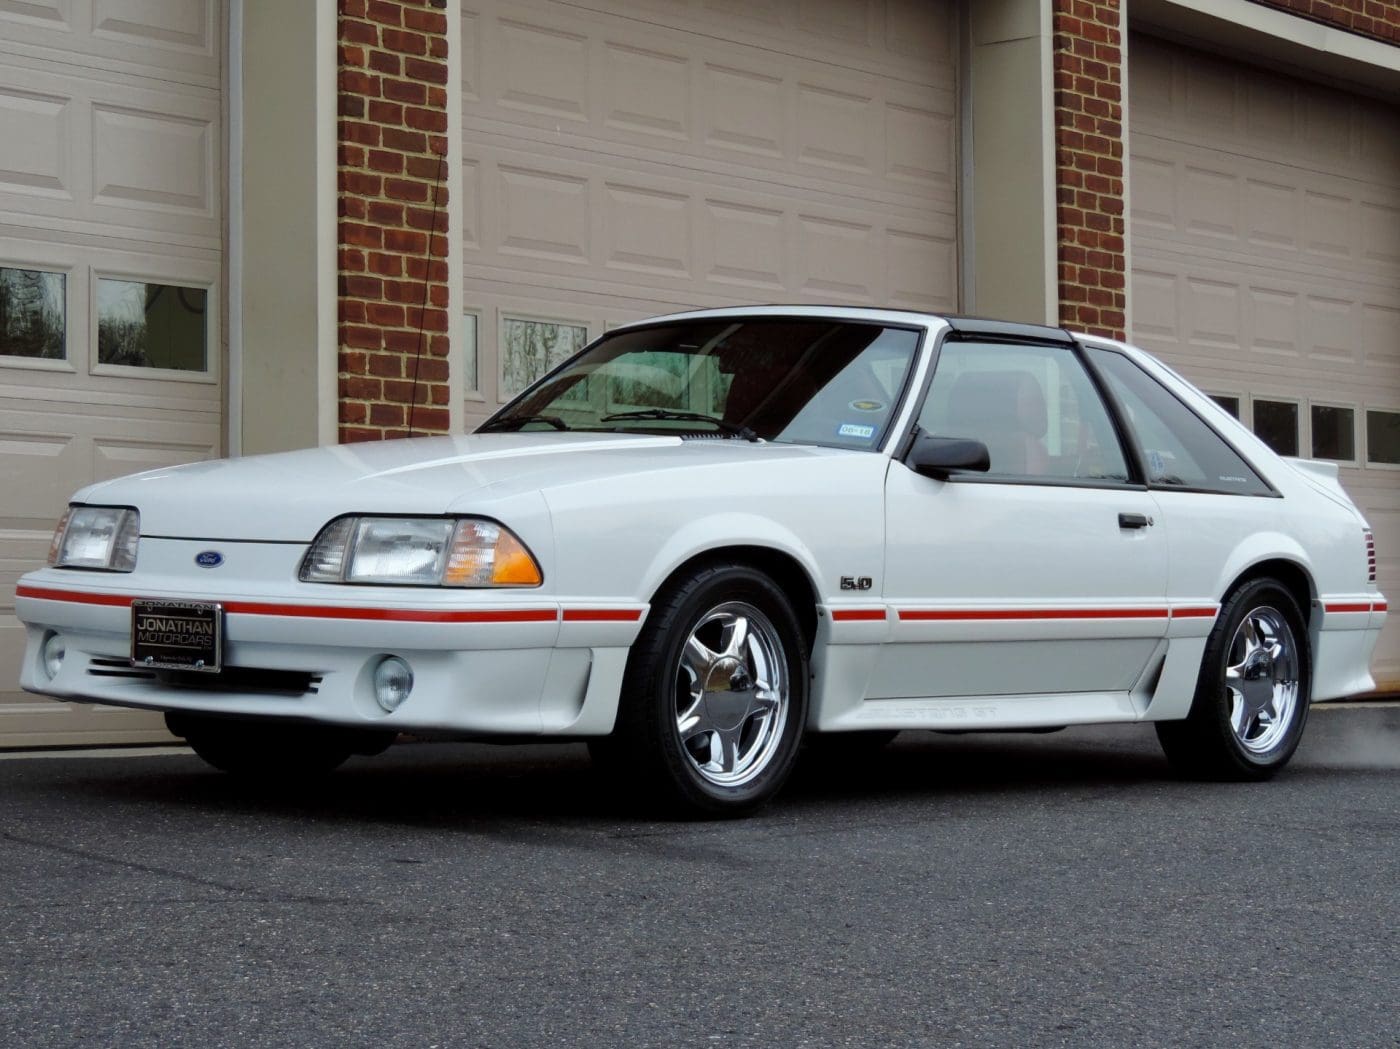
column 484, row 553
column 514, row 566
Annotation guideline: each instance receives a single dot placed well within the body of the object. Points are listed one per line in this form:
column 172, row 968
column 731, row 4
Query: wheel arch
column 791, row 576
column 1291, row 574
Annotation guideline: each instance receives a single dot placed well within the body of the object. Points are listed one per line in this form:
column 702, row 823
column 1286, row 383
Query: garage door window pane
column 32, row 314
column 1230, row 404
column 531, row 349
column 1276, row 423
column 1383, row 438
column 1333, row 433
column 144, row 325
column 471, row 379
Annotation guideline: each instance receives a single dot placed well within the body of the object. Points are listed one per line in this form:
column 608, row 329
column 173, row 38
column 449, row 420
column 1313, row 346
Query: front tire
column 1253, row 693
column 714, row 701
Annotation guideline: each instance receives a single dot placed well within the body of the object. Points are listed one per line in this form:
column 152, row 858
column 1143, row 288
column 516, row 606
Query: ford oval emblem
column 209, row 559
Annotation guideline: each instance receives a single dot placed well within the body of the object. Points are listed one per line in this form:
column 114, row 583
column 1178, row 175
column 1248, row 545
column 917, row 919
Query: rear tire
column 1252, row 697
column 714, row 701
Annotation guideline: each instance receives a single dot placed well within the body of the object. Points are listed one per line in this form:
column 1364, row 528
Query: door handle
column 1134, row 521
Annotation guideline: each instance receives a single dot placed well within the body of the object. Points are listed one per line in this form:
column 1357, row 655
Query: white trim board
column 1242, row 28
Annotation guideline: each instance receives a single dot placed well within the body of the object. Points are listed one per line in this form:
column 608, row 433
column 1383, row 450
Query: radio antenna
column 427, row 284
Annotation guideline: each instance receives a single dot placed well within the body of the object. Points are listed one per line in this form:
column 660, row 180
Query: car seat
column 1006, row 411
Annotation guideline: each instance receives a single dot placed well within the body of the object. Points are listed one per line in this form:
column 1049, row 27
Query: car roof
column 971, row 326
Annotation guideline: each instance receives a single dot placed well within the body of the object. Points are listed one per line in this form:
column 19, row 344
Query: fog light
column 55, row 648
column 393, row 681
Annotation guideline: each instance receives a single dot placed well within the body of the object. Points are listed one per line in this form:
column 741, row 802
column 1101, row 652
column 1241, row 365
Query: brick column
column 393, row 234
column 1089, row 158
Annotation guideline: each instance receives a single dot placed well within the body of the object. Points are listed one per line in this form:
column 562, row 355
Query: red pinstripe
column 602, row 615
column 985, row 614
column 391, row 615
column 1340, row 606
column 973, row 615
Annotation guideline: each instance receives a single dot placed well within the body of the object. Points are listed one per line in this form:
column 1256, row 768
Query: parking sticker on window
column 855, row 430
column 867, row 406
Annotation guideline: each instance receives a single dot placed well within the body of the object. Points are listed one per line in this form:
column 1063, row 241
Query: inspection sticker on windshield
column 855, row 430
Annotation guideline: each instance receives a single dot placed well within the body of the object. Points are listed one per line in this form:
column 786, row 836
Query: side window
column 1034, row 407
column 1181, row 450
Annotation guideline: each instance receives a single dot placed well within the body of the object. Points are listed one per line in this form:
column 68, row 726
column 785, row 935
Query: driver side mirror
column 937, row 457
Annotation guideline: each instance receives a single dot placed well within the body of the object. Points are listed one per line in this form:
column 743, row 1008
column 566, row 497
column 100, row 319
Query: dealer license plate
column 177, row 635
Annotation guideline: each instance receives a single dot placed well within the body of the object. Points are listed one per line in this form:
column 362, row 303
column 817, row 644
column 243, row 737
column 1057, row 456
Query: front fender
column 723, row 531
column 624, row 539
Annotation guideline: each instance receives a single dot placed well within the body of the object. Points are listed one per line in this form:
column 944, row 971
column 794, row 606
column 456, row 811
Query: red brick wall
column 393, row 231
column 1089, row 148
column 1089, row 153
column 1380, row 21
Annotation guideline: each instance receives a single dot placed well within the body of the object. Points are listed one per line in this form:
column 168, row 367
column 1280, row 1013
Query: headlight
column 419, row 551
column 103, row 537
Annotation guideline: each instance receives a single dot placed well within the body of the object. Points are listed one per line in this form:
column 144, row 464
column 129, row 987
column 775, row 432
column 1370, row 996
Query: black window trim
column 1117, row 409
column 1008, row 334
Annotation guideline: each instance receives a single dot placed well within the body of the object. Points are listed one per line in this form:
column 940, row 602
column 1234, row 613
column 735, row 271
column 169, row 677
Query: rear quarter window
column 1180, row 448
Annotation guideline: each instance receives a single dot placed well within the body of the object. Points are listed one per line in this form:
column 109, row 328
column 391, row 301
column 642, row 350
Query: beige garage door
column 110, row 243
column 1266, row 265
column 629, row 157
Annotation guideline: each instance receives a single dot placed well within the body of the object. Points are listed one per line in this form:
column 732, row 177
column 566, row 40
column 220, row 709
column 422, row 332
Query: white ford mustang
column 713, row 533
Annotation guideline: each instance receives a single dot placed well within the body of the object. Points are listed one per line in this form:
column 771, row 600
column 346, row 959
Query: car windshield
column 797, row 381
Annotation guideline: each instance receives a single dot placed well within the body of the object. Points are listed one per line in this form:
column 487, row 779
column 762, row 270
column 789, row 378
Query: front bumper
column 484, row 662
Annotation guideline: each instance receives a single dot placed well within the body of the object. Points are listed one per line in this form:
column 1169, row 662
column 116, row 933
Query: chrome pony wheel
column 714, row 702
column 731, row 694
column 1262, row 680
column 1252, row 695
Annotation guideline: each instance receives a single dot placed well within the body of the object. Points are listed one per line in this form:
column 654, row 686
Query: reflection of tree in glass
column 652, row 380
column 31, row 314
column 121, row 321
column 533, row 348
column 146, row 325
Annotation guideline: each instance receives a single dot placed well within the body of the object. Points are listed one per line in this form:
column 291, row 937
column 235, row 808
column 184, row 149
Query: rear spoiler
column 1323, row 469
column 1324, row 476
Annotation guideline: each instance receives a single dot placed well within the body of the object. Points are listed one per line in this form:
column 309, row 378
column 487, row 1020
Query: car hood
column 289, row 496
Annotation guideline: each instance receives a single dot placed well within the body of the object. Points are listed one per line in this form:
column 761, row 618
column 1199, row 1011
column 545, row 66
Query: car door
column 1044, row 575
column 1213, row 502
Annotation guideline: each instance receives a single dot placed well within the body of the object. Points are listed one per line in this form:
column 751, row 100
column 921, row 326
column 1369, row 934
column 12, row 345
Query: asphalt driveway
column 974, row 890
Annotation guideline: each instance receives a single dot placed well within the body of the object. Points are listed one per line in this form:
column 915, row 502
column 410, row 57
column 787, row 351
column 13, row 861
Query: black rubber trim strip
column 216, row 539
column 1011, row 331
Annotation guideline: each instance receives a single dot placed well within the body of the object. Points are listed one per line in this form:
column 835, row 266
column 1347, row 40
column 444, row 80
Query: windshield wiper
column 733, row 429
column 515, row 422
